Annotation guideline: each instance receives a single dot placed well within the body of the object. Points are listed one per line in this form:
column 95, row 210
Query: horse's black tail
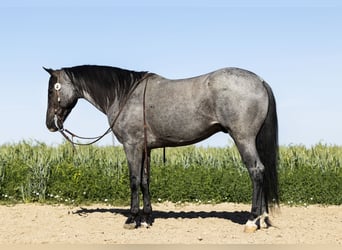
column 267, row 146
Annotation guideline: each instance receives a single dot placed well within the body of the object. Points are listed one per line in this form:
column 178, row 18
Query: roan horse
column 147, row 111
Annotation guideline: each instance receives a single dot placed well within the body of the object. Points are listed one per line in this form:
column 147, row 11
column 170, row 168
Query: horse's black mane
column 103, row 82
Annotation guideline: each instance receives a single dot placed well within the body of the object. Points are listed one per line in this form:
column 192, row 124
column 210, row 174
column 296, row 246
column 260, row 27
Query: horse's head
column 62, row 97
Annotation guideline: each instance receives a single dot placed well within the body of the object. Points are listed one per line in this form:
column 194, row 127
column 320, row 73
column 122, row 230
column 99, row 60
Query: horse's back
column 232, row 79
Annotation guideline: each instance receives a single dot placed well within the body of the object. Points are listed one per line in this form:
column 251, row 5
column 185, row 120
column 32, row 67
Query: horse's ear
column 50, row 71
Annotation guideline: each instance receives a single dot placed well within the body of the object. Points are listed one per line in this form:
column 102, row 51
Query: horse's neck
column 101, row 102
column 104, row 97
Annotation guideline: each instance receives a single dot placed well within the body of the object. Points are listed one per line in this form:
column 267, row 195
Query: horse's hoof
column 130, row 226
column 146, row 221
column 250, row 227
column 264, row 221
column 131, row 223
column 146, row 225
column 264, row 224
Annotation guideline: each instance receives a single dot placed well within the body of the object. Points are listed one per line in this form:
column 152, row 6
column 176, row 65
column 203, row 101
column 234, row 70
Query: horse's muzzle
column 54, row 124
column 53, row 129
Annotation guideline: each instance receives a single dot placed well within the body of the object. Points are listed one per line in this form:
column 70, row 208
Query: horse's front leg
column 134, row 156
column 146, row 219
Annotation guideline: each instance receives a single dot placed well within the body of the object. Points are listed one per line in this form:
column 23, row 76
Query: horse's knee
column 134, row 183
column 144, row 184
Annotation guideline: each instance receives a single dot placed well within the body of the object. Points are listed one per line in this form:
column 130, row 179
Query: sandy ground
column 190, row 224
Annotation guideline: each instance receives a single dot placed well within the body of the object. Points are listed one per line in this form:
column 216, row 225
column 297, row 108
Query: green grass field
column 33, row 171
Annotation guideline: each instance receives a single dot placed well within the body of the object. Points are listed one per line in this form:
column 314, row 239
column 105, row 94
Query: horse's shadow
column 239, row 217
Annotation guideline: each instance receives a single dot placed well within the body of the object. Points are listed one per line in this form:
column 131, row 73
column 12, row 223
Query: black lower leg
column 133, row 219
column 256, row 210
column 147, row 209
column 258, row 200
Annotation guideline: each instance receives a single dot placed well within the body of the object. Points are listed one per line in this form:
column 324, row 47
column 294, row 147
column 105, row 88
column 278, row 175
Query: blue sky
column 296, row 46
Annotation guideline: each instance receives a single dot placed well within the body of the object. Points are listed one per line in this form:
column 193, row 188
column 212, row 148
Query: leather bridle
column 70, row 138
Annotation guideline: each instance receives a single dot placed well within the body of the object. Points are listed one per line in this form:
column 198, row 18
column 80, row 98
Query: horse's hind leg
column 250, row 157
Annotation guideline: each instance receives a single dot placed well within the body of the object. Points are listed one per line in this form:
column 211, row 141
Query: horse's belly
column 182, row 128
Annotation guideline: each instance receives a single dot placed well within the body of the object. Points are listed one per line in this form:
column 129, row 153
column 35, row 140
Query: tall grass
column 33, row 171
column 311, row 175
